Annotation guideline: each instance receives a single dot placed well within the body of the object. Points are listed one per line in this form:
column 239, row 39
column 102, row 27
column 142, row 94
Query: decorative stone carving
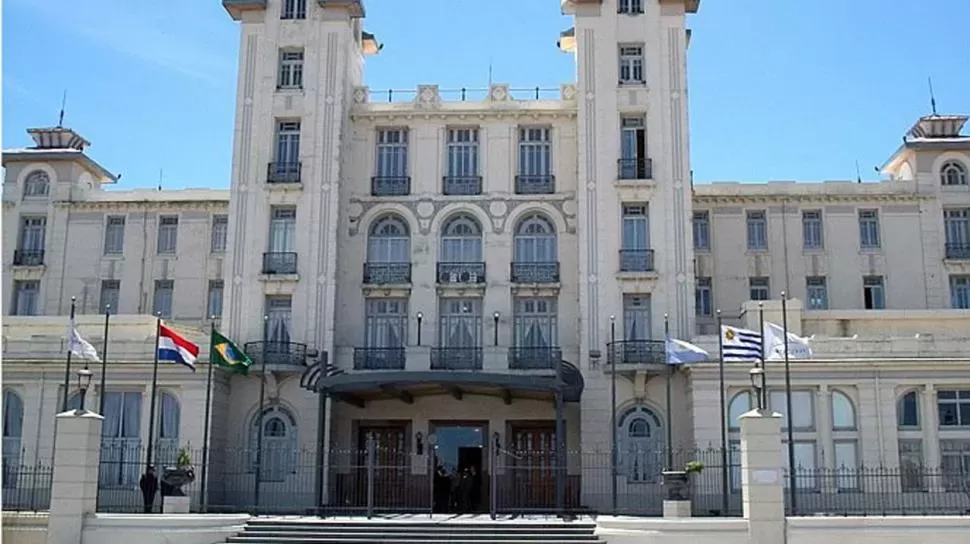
column 569, row 207
column 498, row 208
column 498, row 92
column 567, row 92
column 497, row 224
column 428, row 96
column 425, row 225
column 361, row 95
column 425, row 209
column 354, row 210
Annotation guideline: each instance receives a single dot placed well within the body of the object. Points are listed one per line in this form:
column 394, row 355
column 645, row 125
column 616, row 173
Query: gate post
column 493, row 478
column 432, row 474
column 74, row 482
column 371, row 452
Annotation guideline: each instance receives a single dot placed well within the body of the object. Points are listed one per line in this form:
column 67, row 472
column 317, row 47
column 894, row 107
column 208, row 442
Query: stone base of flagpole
column 176, row 505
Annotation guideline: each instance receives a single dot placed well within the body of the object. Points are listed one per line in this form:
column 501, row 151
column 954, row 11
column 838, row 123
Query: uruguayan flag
column 798, row 347
column 740, row 344
column 680, row 352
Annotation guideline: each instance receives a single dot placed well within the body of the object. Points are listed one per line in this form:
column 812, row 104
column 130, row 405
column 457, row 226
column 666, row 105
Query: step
column 422, row 535
column 407, row 540
column 398, row 528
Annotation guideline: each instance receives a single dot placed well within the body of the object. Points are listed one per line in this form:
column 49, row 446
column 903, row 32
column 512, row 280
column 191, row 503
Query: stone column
column 74, row 487
column 762, row 485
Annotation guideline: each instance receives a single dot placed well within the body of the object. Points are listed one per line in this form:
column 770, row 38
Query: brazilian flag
column 227, row 355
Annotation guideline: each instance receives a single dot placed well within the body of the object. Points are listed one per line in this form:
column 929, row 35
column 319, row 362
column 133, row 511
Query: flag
column 81, row 347
column 175, row 349
column 227, row 355
column 738, row 345
column 798, row 347
column 680, row 352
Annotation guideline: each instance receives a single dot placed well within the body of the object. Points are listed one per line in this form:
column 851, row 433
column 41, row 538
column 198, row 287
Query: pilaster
column 74, row 486
column 762, row 485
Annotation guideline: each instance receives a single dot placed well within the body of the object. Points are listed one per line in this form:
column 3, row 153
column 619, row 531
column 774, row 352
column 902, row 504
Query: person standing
column 149, row 486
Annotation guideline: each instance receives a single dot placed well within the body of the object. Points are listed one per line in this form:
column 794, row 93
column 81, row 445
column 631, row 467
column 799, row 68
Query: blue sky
column 792, row 89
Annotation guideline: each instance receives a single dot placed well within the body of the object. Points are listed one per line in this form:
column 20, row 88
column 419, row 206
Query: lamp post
column 612, row 354
column 757, row 375
column 83, row 383
column 420, row 318
column 495, row 317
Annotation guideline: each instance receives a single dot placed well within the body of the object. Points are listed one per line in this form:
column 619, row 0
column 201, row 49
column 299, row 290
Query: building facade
column 463, row 277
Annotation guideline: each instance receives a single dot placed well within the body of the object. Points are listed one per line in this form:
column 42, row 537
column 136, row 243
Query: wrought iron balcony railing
column 461, row 273
column 958, row 251
column 456, row 358
column 387, row 273
column 640, row 168
column 390, row 185
column 637, row 352
column 277, row 353
column 28, row 257
column 461, row 185
column 534, row 358
column 379, row 358
column 284, row 172
column 636, row 260
column 279, row 263
column 544, row 272
column 535, row 184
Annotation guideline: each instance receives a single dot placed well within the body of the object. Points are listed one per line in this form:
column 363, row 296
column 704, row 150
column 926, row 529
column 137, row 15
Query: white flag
column 798, row 347
column 81, row 347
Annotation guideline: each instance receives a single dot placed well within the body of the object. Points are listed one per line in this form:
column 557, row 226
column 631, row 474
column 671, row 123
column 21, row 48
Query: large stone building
column 448, row 266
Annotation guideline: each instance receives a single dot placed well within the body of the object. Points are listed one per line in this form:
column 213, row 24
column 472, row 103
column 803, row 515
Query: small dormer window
column 953, row 173
column 37, row 184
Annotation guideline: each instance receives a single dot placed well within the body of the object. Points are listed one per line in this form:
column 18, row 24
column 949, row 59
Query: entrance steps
column 446, row 530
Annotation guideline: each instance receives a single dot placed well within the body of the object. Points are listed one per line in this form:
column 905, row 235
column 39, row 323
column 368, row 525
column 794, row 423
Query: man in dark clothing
column 149, row 486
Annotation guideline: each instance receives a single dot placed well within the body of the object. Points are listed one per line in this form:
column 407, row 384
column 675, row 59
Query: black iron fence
column 26, row 485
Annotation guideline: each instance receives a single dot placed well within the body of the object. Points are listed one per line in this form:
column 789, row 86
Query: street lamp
column 495, row 317
column 420, row 318
column 83, row 383
column 757, row 375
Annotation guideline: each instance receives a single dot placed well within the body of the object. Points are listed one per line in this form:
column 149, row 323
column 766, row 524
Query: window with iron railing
column 535, row 161
column 462, row 177
column 956, row 225
column 391, row 173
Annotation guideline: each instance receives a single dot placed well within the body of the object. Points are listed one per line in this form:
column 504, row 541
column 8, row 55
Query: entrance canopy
column 360, row 387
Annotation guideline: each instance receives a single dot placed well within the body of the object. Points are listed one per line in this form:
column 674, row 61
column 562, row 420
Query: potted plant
column 173, row 478
column 677, row 482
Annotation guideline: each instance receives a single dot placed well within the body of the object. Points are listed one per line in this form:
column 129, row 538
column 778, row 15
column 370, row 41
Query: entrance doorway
column 459, row 459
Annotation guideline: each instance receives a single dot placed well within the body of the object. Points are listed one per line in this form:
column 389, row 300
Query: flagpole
column 151, row 408
column 788, row 407
column 67, row 366
column 724, row 441
column 206, row 422
column 104, row 358
column 613, row 452
column 259, row 432
column 670, row 419
column 763, row 394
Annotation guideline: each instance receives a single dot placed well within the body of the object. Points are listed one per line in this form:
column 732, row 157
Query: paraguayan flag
column 738, row 345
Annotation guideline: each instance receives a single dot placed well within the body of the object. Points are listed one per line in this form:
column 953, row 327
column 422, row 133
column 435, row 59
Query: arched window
column 843, row 411
column 461, row 240
column 389, row 241
column 953, row 173
column 279, row 446
column 535, row 240
column 641, row 444
column 740, row 404
column 907, row 411
column 13, row 430
column 37, row 184
column 169, row 415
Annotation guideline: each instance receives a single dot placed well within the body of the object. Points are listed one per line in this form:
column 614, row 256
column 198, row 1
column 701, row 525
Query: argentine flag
column 680, row 352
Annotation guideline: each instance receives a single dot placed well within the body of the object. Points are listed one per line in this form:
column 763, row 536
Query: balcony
column 637, row 168
column 636, row 260
column 284, row 172
column 387, row 273
column 379, row 358
column 545, row 272
column 461, row 185
column 533, row 184
column 277, row 354
column 279, row 263
column 28, row 257
column 637, row 352
column 461, row 273
column 958, row 251
column 390, row 185
column 534, row 358
column 456, row 358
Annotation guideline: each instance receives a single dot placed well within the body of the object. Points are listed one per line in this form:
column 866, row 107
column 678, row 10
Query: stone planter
column 173, row 478
column 676, row 485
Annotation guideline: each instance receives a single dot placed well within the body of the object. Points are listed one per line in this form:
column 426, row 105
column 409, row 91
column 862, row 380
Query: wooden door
column 533, row 467
column 391, row 465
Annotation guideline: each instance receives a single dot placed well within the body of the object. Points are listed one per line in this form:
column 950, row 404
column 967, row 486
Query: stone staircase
column 415, row 531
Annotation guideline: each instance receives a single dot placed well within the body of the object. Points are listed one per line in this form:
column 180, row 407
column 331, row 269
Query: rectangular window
column 630, row 7
column 26, row 298
column 817, row 293
column 386, row 323
column 636, row 318
column 956, row 223
column 635, row 253
column 114, row 235
column 460, row 324
column 279, row 323
column 282, row 229
column 704, row 297
column 121, row 445
column 162, row 301
column 392, row 153
column 214, row 305
column 220, row 233
column 873, row 293
column 33, row 232
column 110, row 296
column 168, row 231
column 631, row 64
column 759, row 288
column 291, row 70
column 955, row 457
column 846, row 464
column 462, row 154
column 633, row 163
column 911, row 464
column 293, row 9
column 702, row 230
column 801, row 405
column 536, row 324
column 287, row 157
column 806, row 461
column 960, row 292
column 954, row 408
column 757, row 230
column 869, row 229
column 535, row 161
column 812, row 237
